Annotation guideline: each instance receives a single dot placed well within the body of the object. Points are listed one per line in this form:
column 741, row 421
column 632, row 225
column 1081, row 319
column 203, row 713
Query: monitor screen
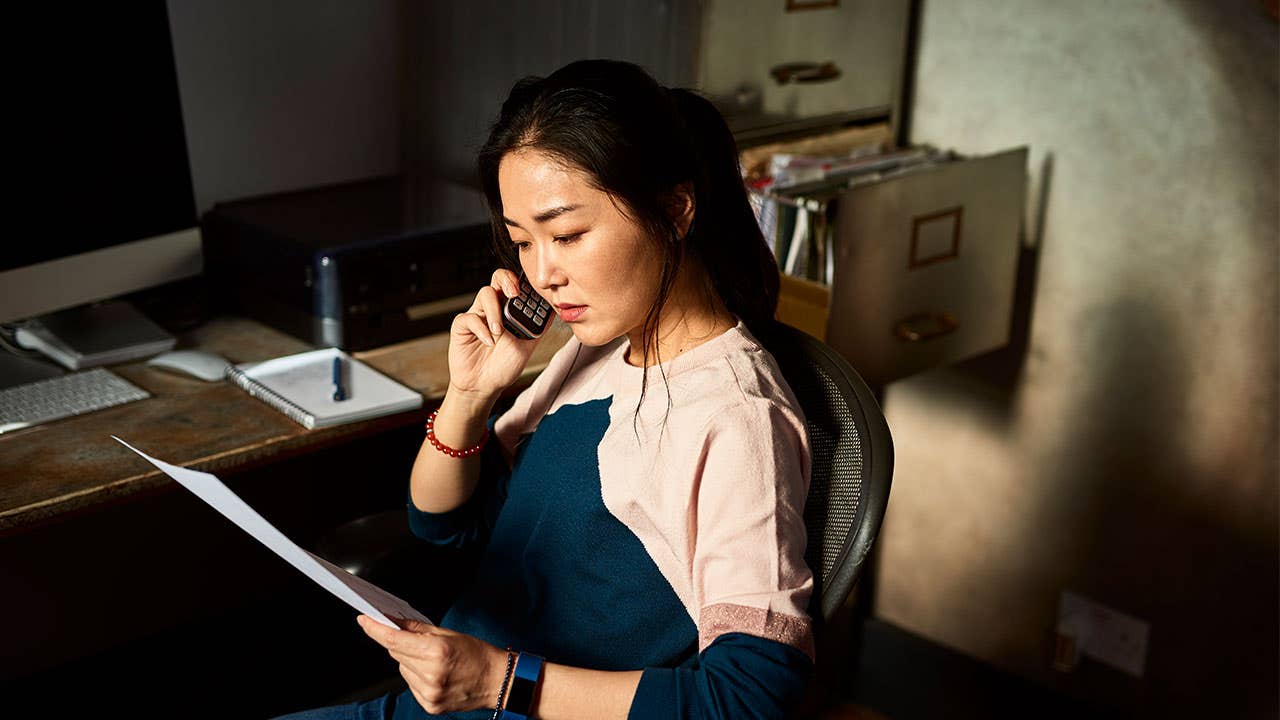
column 101, row 151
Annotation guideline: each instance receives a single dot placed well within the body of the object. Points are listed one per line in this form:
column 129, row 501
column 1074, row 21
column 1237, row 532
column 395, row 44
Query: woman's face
column 578, row 249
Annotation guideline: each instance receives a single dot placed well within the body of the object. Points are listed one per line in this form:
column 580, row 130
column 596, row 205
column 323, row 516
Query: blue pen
column 339, row 391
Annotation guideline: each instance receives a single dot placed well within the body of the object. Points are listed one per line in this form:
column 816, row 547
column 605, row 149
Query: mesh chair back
column 852, row 462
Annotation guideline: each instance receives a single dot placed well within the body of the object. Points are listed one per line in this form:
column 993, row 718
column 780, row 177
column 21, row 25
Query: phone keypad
column 530, row 311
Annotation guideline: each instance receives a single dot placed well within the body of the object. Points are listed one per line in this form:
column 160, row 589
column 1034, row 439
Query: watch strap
column 524, row 683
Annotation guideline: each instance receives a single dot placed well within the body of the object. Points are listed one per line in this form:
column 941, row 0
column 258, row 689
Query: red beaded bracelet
column 431, row 435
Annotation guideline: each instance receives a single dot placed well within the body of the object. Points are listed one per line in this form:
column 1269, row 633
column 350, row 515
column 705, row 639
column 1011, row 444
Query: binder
column 302, row 387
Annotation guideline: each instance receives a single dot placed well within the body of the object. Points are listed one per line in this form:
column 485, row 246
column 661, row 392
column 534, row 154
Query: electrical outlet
column 1102, row 633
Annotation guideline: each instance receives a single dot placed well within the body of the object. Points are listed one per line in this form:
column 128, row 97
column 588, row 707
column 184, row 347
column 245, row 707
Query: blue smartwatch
column 523, row 686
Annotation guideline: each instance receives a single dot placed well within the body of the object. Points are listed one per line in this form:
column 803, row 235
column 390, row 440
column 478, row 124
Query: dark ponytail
column 726, row 238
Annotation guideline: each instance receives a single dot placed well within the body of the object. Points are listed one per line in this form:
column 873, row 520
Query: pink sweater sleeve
column 749, row 573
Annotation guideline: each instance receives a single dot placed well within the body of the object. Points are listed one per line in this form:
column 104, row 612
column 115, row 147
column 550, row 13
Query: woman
column 640, row 505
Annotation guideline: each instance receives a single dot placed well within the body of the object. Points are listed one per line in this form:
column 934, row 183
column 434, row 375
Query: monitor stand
column 102, row 333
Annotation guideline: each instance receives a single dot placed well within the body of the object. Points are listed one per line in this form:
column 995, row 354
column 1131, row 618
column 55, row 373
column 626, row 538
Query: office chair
column 851, row 471
column 851, row 464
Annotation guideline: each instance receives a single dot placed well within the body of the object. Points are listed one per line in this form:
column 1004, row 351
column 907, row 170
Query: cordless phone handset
column 527, row 315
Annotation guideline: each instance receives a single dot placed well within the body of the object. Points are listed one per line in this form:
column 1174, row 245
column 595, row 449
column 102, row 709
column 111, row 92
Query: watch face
column 528, row 672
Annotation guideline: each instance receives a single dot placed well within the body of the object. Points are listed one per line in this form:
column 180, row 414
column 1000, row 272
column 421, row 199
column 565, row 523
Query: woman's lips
column 570, row 313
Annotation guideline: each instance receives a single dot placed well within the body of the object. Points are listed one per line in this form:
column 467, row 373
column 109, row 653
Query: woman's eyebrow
column 545, row 215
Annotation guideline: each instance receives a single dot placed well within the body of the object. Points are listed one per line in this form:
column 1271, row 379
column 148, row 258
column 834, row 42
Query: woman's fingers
column 491, row 308
column 506, row 282
column 426, row 696
column 473, row 324
column 445, row 670
column 418, row 626
column 378, row 632
column 470, row 368
column 402, row 645
column 488, row 305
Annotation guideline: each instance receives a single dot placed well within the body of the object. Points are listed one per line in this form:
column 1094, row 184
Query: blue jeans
column 376, row 709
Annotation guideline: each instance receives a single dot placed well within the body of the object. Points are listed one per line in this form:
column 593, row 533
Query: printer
column 353, row 265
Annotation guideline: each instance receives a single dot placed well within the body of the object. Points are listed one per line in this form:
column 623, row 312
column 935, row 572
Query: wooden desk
column 112, row 577
column 72, row 465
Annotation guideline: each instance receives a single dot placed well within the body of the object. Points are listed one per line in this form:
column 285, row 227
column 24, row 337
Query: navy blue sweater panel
column 560, row 576
column 737, row 677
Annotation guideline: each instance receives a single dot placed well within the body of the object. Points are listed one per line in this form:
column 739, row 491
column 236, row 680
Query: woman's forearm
column 570, row 693
column 439, row 482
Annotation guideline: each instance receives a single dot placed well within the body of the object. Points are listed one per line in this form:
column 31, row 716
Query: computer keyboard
column 56, row 398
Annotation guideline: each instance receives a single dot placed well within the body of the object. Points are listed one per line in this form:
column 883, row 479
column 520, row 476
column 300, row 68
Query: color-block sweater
column 665, row 534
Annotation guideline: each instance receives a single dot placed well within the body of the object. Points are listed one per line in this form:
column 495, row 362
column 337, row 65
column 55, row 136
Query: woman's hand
column 484, row 358
column 447, row 671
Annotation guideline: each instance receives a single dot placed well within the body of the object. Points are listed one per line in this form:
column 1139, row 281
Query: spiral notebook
column 302, row 386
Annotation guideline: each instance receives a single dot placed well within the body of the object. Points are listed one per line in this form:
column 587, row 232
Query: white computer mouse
column 195, row 363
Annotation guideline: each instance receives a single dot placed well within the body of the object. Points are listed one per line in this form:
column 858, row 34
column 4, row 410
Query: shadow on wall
column 1145, row 537
column 1121, row 487
column 1148, row 540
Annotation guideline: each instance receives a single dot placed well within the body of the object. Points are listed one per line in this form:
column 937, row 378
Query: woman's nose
column 545, row 273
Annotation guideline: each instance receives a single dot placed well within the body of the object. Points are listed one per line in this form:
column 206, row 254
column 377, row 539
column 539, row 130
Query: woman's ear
column 680, row 207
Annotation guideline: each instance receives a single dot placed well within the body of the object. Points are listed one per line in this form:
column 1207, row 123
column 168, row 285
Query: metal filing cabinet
column 918, row 262
column 785, row 66
column 925, row 263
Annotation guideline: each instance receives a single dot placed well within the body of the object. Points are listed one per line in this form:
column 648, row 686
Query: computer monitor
column 106, row 205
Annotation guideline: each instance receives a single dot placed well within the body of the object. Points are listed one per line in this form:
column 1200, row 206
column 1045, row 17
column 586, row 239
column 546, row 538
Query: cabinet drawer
column 925, row 264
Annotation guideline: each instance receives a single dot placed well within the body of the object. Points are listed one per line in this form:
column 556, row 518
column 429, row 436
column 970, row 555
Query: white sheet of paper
column 354, row 591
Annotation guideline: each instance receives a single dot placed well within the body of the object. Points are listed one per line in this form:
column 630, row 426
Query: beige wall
column 1125, row 446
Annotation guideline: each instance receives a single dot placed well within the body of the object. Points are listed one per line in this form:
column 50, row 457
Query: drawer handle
column 925, row 326
column 805, row 72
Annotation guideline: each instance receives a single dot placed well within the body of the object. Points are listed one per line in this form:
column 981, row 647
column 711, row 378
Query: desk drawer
column 925, row 264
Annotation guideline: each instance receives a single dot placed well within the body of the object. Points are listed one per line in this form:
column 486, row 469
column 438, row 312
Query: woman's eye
column 523, row 246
